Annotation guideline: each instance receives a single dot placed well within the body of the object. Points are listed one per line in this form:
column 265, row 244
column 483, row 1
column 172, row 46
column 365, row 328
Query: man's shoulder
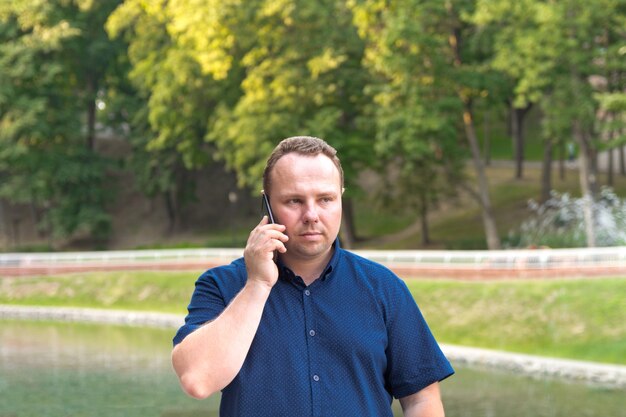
column 233, row 273
column 360, row 259
column 368, row 268
column 380, row 281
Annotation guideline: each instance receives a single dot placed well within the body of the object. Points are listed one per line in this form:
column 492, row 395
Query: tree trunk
column 562, row 158
column 486, row 138
column 517, row 134
column 424, row 219
column 37, row 214
column 622, row 161
column 593, row 167
column 546, row 172
column 171, row 206
column 489, row 222
column 15, row 225
column 609, row 172
column 587, row 183
column 3, row 229
column 348, row 234
column 91, row 113
column 593, row 158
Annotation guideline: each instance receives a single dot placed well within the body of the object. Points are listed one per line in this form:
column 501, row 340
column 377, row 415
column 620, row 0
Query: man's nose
column 310, row 214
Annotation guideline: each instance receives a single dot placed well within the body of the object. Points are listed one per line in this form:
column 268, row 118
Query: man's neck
column 309, row 269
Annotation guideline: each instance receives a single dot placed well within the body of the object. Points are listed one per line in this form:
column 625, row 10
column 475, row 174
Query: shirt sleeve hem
column 183, row 332
column 411, row 388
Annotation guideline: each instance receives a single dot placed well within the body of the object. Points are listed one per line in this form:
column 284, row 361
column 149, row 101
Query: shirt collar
column 332, row 264
column 288, row 274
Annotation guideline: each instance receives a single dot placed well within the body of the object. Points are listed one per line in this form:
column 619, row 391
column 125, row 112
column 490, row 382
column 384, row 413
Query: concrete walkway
column 612, row 376
column 594, row 373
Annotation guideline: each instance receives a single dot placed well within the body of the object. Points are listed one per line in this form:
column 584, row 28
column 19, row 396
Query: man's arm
column 424, row 403
column 209, row 358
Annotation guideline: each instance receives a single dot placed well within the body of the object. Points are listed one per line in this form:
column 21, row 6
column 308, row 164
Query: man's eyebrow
column 324, row 193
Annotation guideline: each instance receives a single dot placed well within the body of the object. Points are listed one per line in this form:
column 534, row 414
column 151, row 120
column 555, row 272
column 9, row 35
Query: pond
column 69, row 369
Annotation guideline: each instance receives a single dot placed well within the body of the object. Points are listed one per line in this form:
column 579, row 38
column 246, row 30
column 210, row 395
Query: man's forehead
column 298, row 173
column 297, row 163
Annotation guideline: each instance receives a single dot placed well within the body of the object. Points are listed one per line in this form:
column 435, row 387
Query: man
column 318, row 332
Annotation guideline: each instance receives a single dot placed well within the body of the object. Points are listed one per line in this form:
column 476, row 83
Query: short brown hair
column 303, row 145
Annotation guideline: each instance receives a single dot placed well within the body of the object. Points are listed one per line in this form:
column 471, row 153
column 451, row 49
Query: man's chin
column 310, row 251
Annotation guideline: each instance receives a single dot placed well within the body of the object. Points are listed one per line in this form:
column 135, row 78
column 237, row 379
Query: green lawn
column 577, row 319
column 133, row 290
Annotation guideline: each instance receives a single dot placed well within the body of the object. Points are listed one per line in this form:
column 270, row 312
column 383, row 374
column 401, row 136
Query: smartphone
column 267, row 209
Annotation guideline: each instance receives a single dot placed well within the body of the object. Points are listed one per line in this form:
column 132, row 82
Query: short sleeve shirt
column 343, row 346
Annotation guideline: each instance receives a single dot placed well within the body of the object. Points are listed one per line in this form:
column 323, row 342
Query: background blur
column 141, row 124
column 461, row 124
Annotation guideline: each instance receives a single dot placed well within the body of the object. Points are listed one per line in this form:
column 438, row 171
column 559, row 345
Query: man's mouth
column 310, row 234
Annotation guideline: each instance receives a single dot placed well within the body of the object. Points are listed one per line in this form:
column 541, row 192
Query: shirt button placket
column 307, row 299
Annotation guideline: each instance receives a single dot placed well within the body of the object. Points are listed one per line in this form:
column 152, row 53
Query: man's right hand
column 264, row 239
column 209, row 359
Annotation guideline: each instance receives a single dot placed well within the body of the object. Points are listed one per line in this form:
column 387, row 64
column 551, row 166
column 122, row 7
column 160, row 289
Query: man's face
column 305, row 195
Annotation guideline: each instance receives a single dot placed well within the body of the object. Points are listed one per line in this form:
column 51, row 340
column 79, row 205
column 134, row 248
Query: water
column 60, row 370
column 560, row 222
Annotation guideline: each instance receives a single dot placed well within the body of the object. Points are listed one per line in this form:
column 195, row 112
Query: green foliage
column 165, row 104
column 552, row 51
column 52, row 57
column 69, row 188
column 430, row 75
column 393, row 85
column 302, row 76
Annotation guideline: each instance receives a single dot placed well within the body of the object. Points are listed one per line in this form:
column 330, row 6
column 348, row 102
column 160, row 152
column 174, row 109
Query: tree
column 47, row 102
column 554, row 50
column 416, row 139
column 612, row 108
column 516, row 37
column 442, row 51
column 297, row 68
column 167, row 105
column 611, row 87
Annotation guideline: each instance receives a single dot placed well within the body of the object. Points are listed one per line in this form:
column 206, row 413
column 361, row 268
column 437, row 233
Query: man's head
column 304, row 182
column 303, row 145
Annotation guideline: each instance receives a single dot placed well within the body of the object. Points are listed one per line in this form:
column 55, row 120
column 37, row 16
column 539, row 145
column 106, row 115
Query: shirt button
column 307, row 292
column 312, row 332
column 316, row 378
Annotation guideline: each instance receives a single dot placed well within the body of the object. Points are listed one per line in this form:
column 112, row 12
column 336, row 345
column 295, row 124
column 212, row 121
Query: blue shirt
column 342, row 346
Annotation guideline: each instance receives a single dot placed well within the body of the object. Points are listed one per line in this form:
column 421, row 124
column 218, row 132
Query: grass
column 577, row 319
column 581, row 319
column 127, row 290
